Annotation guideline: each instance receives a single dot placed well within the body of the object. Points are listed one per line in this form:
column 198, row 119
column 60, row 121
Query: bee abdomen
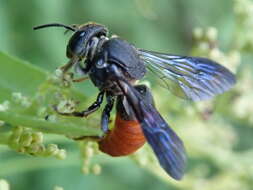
column 125, row 138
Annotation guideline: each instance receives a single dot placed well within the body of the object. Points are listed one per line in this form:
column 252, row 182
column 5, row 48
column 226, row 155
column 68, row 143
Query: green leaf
column 19, row 76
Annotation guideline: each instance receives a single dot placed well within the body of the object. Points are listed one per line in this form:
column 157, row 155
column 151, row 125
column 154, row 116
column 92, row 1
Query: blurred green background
column 218, row 134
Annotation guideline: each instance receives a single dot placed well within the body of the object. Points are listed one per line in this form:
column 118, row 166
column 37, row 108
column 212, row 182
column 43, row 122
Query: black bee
column 114, row 66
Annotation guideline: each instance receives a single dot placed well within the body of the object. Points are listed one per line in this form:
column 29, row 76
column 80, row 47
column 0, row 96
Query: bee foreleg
column 80, row 79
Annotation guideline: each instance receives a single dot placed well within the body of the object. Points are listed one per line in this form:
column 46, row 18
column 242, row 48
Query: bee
column 114, row 66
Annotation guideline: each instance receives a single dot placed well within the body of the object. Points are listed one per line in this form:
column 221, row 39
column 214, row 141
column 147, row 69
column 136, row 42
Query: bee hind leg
column 105, row 119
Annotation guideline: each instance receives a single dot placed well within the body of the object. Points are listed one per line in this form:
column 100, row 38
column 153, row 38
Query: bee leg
column 71, row 75
column 68, row 65
column 88, row 111
column 80, row 79
column 93, row 138
column 105, row 119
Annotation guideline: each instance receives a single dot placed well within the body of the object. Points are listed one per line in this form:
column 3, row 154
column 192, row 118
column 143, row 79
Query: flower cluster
column 26, row 141
column 88, row 150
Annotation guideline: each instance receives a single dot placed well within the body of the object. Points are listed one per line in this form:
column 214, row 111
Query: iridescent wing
column 192, row 78
column 166, row 145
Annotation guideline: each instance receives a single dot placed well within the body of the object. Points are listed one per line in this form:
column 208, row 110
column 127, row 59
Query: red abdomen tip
column 125, row 138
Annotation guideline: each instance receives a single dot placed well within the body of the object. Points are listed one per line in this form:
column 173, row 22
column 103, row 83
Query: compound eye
column 101, row 64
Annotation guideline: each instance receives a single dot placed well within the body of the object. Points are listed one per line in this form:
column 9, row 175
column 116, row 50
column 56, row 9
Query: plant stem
column 48, row 126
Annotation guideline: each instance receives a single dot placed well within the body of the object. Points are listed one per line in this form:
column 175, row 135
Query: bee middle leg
column 105, row 120
column 94, row 107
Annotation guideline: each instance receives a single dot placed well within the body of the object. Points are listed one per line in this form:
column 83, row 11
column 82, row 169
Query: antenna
column 54, row 25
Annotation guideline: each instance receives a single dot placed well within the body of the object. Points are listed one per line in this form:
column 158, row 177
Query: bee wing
column 167, row 146
column 192, row 78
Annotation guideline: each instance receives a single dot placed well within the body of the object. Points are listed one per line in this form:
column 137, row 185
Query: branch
column 48, row 126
